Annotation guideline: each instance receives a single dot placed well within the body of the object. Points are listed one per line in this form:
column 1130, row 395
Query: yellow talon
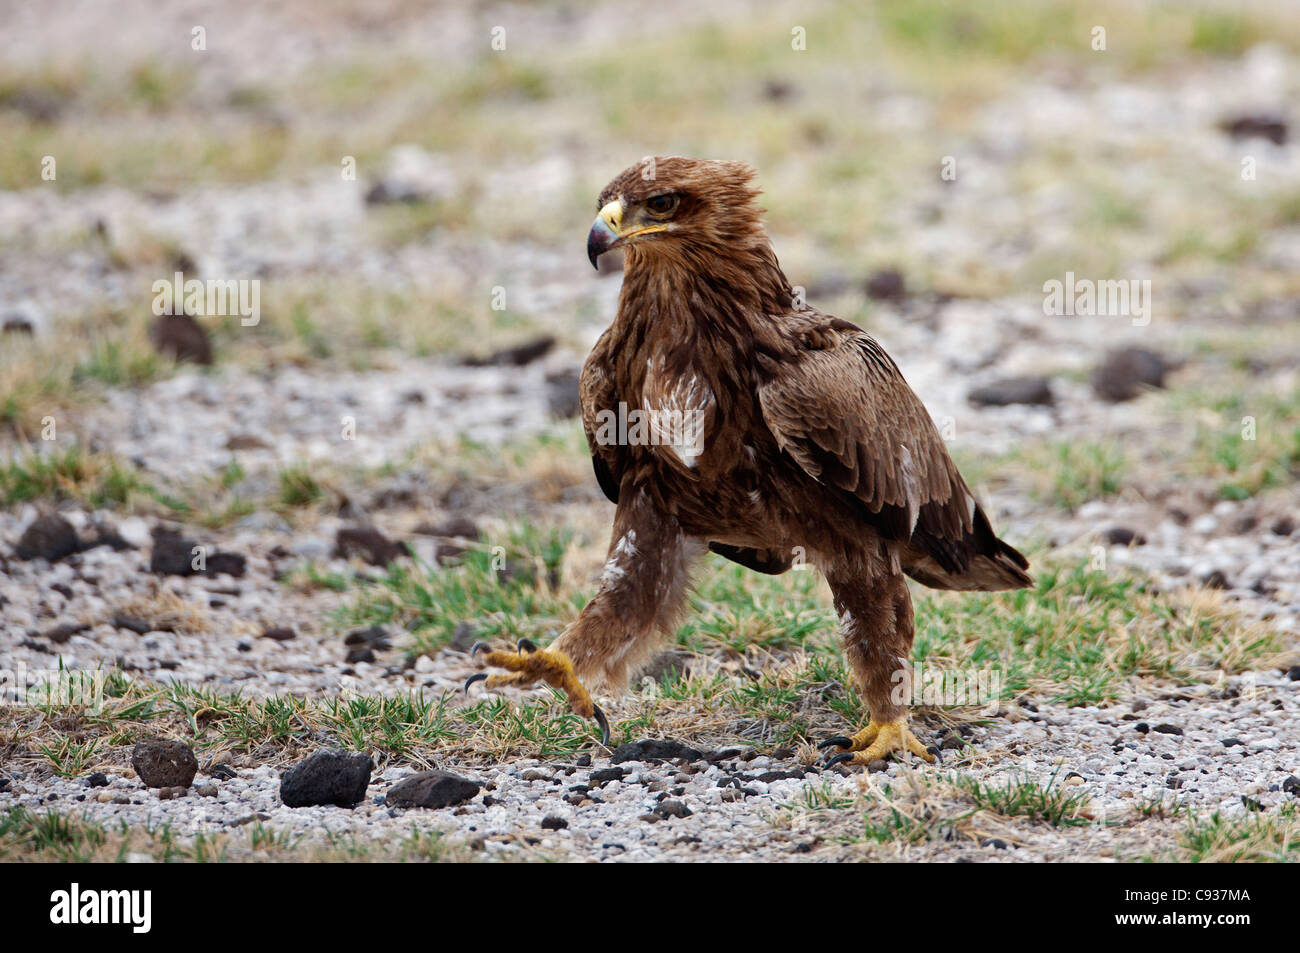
column 531, row 664
column 879, row 740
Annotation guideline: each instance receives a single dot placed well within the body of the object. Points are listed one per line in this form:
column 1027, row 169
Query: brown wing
column 597, row 395
column 838, row 405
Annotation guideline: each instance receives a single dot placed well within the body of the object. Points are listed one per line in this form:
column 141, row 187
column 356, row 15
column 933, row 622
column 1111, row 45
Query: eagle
column 723, row 413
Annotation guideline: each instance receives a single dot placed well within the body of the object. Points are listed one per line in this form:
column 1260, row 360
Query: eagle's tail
column 977, row 561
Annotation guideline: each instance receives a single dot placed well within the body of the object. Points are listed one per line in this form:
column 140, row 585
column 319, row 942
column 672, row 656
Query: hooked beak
column 607, row 231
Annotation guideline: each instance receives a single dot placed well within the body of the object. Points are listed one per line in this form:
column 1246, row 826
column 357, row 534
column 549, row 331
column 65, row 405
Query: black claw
column 838, row 741
column 479, row 646
column 476, row 677
column 603, row 722
column 839, row 759
column 526, row 645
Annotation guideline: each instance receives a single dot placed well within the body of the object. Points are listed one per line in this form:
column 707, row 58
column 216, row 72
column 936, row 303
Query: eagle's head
column 675, row 206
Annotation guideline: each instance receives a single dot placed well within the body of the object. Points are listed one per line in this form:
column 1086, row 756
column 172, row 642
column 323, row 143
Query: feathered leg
column 642, row 590
column 876, row 625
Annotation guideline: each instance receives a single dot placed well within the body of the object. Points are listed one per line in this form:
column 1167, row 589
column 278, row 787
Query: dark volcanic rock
column 164, row 763
column 431, row 789
column 65, row 630
column 603, row 776
column 1216, row 580
column 657, row 749
column 671, row 807
column 886, row 285
column 232, row 564
column 553, row 822
column 1261, row 125
column 1126, row 372
column 333, row 776
column 1123, row 536
column 279, row 633
column 180, row 337
column 446, row 532
column 517, row 356
column 1012, row 390
column 49, row 537
column 374, row 637
column 368, row 543
column 131, row 623
column 172, row 553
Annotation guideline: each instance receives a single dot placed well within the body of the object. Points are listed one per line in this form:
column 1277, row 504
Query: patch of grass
column 1070, row 474
column 1256, row 838
column 298, row 487
column 506, row 590
column 1024, row 797
column 1078, row 634
column 98, row 480
column 1248, row 442
column 27, row 836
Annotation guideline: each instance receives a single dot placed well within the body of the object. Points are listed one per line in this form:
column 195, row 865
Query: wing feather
column 838, row 405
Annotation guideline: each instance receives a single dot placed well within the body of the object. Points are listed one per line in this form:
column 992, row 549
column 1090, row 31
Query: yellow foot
column 877, row 740
column 531, row 664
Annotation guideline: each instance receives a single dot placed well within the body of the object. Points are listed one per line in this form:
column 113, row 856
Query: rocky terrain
column 387, row 465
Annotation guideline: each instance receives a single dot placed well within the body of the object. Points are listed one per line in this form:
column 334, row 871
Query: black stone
column 181, row 338
column 553, row 822
column 603, row 776
column 671, row 807
column 332, row 776
column 517, row 356
column 164, row 763
column 1168, row 729
column 48, row 537
column 886, row 284
column 368, row 543
column 1123, row 536
column 64, row 631
column 432, row 789
column 1126, row 372
column 1012, row 390
column 655, row 751
column 232, row 564
column 1261, row 125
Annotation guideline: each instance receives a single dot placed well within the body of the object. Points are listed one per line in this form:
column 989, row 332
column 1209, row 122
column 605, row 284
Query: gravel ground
column 1229, row 747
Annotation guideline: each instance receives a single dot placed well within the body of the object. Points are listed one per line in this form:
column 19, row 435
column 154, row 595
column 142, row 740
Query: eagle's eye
column 661, row 206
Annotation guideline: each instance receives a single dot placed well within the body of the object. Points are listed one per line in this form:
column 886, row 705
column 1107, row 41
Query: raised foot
column 877, row 740
column 529, row 665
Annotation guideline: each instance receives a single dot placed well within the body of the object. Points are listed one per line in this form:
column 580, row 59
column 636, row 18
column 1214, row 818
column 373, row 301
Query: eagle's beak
column 607, row 231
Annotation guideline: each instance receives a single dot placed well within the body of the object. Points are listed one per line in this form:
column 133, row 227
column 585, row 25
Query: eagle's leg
column 642, row 589
column 876, row 622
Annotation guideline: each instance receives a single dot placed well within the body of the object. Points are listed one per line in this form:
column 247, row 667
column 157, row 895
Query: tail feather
column 978, row 561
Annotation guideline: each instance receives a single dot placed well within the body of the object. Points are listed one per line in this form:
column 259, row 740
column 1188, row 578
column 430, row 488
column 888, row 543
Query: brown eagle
column 723, row 414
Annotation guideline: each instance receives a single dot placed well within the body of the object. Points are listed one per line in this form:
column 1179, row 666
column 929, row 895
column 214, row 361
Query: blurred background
column 411, row 184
